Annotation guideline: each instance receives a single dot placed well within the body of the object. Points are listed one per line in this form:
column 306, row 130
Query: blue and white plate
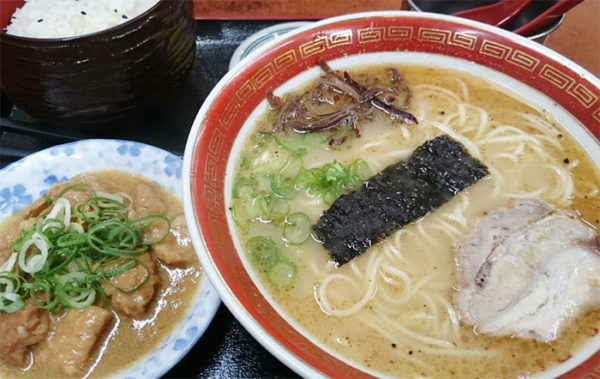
column 27, row 179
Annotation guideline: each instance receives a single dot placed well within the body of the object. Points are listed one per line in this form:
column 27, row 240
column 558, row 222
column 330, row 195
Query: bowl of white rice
column 84, row 62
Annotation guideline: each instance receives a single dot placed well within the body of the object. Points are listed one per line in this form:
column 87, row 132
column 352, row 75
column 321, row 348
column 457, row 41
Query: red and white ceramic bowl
column 568, row 91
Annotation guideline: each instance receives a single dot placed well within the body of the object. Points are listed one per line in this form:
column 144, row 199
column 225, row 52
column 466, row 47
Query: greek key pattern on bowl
column 468, row 41
column 494, row 49
column 325, row 42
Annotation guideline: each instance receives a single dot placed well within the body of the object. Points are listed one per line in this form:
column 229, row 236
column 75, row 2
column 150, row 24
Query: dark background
column 225, row 350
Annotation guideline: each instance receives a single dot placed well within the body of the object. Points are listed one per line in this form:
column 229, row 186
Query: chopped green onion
column 42, row 286
column 75, row 290
column 262, row 183
column 266, row 257
column 152, row 221
column 244, row 211
column 296, row 228
column 259, row 140
column 263, row 252
column 32, row 262
column 75, row 227
column 245, row 192
column 282, row 274
column 10, row 302
column 334, row 172
column 62, row 259
column 113, row 199
column 360, row 169
column 9, row 282
column 273, row 207
column 242, row 182
column 282, row 183
column 77, row 186
column 121, row 266
column 272, row 175
column 117, row 269
column 71, row 239
column 47, row 199
column 64, row 265
column 115, row 237
column 9, row 264
column 332, row 180
column 87, row 211
column 251, row 209
column 59, row 214
column 329, row 197
column 293, row 144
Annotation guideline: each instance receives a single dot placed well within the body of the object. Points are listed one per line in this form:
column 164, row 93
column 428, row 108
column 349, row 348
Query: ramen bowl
column 100, row 77
column 551, row 82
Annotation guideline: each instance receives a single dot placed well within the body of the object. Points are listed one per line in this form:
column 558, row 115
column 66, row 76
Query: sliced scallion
column 10, row 302
column 294, row 144
column 33, row 260
column 263, row 252
column 282, row 274
column 67, row 256
column 157, row 223
column 283, row 182
column 360, row 169
column 296, row 228
column 59, row 214
column 246, row 210
column 333, row 179
column 273, row 207
column 75, row 290
column 120, row 266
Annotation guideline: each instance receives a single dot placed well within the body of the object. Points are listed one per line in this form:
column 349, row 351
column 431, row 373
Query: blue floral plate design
column 27, row 179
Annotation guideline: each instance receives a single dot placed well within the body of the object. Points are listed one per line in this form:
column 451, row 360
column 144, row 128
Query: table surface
column 578, row 38
column 226, row 349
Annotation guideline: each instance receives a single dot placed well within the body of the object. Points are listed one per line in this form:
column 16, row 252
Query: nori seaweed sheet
column 402, row 193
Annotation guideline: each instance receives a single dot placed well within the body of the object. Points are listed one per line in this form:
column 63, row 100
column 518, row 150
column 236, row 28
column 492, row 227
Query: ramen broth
column 127, row 339
column 391, row 310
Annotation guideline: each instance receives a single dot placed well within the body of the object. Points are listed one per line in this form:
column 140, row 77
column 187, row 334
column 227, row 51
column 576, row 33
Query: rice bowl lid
column 226, row 108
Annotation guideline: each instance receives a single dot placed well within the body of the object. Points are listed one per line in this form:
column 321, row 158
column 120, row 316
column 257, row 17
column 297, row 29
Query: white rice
column 68, row 18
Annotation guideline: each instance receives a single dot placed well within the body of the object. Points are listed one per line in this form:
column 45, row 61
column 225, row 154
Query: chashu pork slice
column 526, row 269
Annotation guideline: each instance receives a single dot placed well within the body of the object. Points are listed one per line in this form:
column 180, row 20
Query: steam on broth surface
column 391, row 310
